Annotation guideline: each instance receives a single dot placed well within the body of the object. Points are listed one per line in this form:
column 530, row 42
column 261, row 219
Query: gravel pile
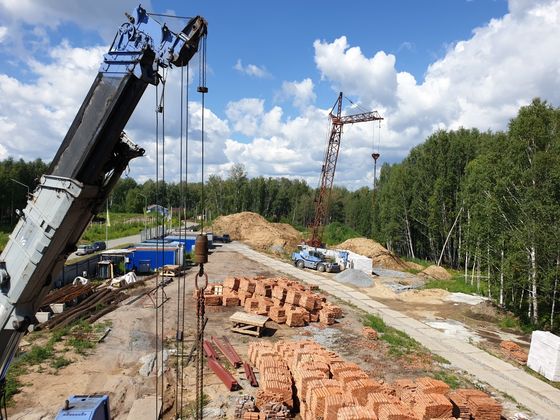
column 354, row 277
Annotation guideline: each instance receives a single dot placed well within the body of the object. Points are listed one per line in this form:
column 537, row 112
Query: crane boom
column 86, row 167
column 329, row 166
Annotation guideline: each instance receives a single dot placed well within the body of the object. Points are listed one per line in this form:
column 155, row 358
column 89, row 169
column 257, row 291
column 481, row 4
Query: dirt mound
column 435, row 272
column 256, row 231
column 380, row 256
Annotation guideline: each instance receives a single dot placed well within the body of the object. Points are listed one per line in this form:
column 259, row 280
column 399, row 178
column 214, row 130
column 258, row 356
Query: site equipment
column 86, row 167
column 310, row 258
column 337, row 121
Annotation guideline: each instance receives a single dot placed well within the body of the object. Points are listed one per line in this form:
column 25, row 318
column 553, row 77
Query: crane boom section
column 86, row 167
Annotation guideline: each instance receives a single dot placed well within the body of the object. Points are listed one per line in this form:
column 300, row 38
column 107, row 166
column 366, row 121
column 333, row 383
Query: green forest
column 484, row 203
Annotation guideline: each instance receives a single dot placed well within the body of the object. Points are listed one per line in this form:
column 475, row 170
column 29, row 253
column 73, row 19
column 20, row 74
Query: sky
column 274, row 70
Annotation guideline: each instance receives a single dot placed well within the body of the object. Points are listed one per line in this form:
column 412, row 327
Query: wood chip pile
column 281, row 299
column 324, row 386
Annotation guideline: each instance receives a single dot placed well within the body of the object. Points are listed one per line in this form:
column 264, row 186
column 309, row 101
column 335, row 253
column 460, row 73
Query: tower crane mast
column 329, row 166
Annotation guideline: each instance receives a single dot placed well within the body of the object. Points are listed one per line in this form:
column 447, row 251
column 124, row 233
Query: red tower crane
column 329, row 165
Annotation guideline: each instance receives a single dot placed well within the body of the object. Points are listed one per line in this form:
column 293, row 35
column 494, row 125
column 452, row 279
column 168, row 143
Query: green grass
column 455, row 285
column 4, row 236
column 60, row 362
column 449, row 378
column 399, row 342
column 423, row 263
column 122, row 224
column 46, row 354
column 37, row 354
column 511, row 322
column 376, row 323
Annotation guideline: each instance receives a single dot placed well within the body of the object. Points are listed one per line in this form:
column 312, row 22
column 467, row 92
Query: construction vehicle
column 306, row 257
column 85, row 169
column 337, row 121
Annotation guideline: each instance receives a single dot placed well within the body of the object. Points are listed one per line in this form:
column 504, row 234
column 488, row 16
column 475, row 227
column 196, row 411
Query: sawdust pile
column 256, row 231
column 435, row 272
column 380, row 256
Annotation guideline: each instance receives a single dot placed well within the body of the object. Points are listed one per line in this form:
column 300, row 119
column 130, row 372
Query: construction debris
column 327, row 387
column 280, row 299
column 514, row 351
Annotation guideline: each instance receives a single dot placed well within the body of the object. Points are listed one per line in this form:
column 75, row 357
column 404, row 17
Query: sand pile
column 435, row 272
column 256, row 231
column 380, row 256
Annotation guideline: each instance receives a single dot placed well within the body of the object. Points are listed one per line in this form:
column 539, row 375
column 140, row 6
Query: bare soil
column 113, row 366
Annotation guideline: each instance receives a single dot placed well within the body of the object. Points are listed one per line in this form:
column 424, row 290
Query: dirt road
column 114, row 367
column 536, row 395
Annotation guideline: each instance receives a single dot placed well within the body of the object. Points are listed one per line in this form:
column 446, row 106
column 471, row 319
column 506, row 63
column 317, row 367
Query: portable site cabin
column 188, row 239
column 149, row 256
column 114, row 262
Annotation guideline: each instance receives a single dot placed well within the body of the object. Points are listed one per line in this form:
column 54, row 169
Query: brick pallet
column 327, row 387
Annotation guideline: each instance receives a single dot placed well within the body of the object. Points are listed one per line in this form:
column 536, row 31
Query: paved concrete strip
column 536, row 395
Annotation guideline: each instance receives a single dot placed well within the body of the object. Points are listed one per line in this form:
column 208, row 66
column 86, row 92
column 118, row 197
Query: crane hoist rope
column 201, row 251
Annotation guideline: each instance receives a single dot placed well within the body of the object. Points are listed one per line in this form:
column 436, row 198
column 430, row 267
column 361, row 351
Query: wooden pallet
column 250, row 324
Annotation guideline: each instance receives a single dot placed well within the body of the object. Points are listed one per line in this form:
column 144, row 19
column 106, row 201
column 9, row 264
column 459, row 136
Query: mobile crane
column 329, row 166
column 85, row 169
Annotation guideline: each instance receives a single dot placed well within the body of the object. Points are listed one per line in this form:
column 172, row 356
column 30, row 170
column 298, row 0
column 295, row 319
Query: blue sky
column 275, row 68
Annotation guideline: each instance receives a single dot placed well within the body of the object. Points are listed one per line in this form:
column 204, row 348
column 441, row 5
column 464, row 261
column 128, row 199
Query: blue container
column 170, row 253
column 188, row 242
column 86, row 407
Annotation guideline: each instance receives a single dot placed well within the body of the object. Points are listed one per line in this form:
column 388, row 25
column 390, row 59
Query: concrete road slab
column 536, row 395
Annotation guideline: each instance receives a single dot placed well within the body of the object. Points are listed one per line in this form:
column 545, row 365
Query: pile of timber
column 67, row 294
column 98, row 303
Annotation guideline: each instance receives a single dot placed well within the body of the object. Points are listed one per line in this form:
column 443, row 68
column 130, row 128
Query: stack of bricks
column 328, row 388
column 473, row 403
column 212, row 295
column 369, row 333
column 283, row 300
column 275, row 377
column 514, row 351
column 278, row 314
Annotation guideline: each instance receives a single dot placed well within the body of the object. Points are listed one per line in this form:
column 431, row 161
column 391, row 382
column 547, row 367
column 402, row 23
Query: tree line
column 485, row 203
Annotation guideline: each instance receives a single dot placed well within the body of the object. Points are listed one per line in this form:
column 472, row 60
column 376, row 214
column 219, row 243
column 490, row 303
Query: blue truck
column 310, row 258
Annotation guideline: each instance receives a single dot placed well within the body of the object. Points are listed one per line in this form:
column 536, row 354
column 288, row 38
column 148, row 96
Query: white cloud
column 480, row 82
column 35, row 116
column 251, row 70
column 3, row 33
column 104, row 16
column 349, row 70
column 301, row 92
